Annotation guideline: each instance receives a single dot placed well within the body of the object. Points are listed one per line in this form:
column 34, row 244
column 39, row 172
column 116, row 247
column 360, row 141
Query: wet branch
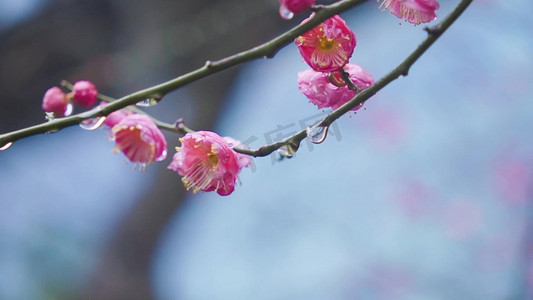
column 401, row 70
column 266, row 50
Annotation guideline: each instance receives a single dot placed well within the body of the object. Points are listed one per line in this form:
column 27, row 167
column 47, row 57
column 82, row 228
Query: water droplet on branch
column 148, row 102
column 285, row 13
column 69, row 110
column 49, row 116
column 92, row 124
column 287, row 150
column 6, row 146
column 317, row 133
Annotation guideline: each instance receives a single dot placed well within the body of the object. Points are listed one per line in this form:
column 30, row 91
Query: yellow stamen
column 324, row 43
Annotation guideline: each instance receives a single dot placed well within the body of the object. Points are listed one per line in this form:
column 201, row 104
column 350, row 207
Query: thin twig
column 162, row 125
column 346, row 77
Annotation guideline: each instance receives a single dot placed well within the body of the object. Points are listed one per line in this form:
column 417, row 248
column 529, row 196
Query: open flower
column 84, row 93
column 412, row 11
column 328, row 46
column 56, row 101
column 139, row 139
column 207, row 163
column 317, row 87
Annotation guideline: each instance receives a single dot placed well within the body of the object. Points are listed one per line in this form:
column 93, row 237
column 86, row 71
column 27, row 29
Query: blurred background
column 425, row 194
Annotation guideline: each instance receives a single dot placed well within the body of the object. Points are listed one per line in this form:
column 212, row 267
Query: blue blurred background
column 425, row 194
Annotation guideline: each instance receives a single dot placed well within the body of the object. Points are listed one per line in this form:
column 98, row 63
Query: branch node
column 435, row 30
column 180, row 124
column 66, row 84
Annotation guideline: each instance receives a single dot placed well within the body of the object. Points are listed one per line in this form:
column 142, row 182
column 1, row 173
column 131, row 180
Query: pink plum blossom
column 328, row 46
column 294, row 6
column 56, row 101
column 412, row 11
column 317, row 87
column 207, row 163
column 84, row 93
column 115, row 117
column 139, row 139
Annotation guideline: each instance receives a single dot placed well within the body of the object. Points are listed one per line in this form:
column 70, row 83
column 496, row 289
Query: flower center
column 324, row 43
column 213, row 158
column 202, row 172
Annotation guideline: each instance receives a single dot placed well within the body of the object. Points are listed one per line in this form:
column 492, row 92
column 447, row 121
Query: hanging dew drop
column 69, row 110
column 287, row 150
column 92, row 124
column 285, row 13
column 147, row 102
column 6, row 146
column 317, row 133
column 53, row 130
column 49, row 116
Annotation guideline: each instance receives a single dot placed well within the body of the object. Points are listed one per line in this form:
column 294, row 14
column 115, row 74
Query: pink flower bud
column 139, row 139
column 296, row 6
column 207, row 163
column 84, row 93
column 56, row 101
column 321, row 92
column 412, row 11
column 328, row 46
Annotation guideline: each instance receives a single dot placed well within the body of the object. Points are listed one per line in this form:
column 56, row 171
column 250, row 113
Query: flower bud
column 56, row 101
column 84, row 93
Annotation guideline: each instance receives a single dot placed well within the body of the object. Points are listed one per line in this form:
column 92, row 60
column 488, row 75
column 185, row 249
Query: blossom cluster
column 327, row 49
column 135, row 135
column 205, row 160
column 412, row 11
column 55, row 101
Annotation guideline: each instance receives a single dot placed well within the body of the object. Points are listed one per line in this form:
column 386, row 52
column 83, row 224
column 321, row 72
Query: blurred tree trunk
column 123, row 46
column 182, row 35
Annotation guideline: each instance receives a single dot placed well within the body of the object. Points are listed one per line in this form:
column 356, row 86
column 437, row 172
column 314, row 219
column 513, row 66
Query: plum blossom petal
column 115, row 117
column 242, row 159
